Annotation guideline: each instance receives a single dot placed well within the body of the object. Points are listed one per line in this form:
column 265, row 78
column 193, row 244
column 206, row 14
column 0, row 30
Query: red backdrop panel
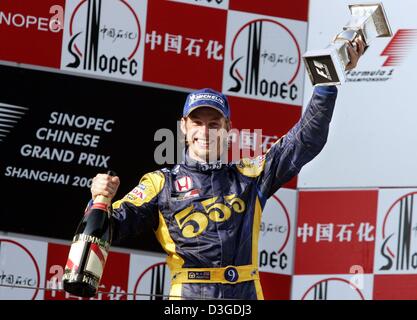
column 275, row 286
column 335, row 232
column 297, row 10
column 184, row 45
column 272, row 118
column 25, row 32
column 114, row 281
column 395, row 287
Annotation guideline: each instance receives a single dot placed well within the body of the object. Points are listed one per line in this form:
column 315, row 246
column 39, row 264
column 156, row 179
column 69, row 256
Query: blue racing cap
column 206, row 98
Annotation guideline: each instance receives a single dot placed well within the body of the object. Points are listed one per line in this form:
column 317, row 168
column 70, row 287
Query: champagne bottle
column 89, row 249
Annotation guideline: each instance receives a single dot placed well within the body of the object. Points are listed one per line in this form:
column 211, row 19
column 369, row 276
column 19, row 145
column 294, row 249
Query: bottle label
column 88, row 253
column 100, row 205
column 91, row 239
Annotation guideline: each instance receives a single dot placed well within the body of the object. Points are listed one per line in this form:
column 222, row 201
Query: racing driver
column 207, row 214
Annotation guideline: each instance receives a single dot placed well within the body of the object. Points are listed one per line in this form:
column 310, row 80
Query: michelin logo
column 206, row 96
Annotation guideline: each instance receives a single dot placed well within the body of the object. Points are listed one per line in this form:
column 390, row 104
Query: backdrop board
column 373, row 132
column 59, row 131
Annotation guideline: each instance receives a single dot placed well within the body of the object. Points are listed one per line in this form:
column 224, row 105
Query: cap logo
column 206, row 96
column 192, row 98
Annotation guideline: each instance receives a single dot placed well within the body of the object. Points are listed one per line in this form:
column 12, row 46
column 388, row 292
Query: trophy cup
column 328, row 66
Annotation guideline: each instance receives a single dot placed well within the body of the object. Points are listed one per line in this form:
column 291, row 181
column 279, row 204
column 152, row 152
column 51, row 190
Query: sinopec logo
column 18, row 267
column 333, row 289
column 105, row 38
column 153, row 283
column 275, row 253
column 32, row 22
column 264, row 60
column 398, row 248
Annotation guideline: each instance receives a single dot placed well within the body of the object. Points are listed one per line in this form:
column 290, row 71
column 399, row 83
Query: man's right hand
column 104, row 185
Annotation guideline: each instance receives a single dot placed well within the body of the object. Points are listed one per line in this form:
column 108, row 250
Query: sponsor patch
column 189, row 195
column 138, row 192
column 183, row 184
column 198, row 275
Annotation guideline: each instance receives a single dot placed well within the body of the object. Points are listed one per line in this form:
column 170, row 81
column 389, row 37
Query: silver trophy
column 328, row 66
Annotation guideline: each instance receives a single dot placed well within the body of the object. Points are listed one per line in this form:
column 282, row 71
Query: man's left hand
column 355, row 52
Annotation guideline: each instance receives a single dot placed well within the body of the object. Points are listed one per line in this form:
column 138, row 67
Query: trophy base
column 324, row 67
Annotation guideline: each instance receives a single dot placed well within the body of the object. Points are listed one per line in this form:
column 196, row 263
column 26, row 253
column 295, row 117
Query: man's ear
column 229, row 125
column 182, row 125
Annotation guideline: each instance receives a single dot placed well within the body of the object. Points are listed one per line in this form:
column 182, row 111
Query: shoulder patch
column 148, row 188
column 251, row 167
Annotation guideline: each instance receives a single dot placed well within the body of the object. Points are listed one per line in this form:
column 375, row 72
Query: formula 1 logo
column 263, row 58
column 399, row 47
column 105, row 38
column 322, row 70
column 396, row 52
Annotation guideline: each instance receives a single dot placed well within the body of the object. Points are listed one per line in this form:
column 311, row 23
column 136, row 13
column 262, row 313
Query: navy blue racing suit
column 207, row 216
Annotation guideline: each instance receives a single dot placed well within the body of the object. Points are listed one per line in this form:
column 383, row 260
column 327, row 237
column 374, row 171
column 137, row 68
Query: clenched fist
column 355, row 52
column 104, row 185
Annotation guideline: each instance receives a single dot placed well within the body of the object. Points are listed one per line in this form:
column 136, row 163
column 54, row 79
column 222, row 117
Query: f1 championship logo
column 396, row 53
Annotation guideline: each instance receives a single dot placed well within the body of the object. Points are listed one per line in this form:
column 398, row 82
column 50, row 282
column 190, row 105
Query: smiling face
column 206, row 131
